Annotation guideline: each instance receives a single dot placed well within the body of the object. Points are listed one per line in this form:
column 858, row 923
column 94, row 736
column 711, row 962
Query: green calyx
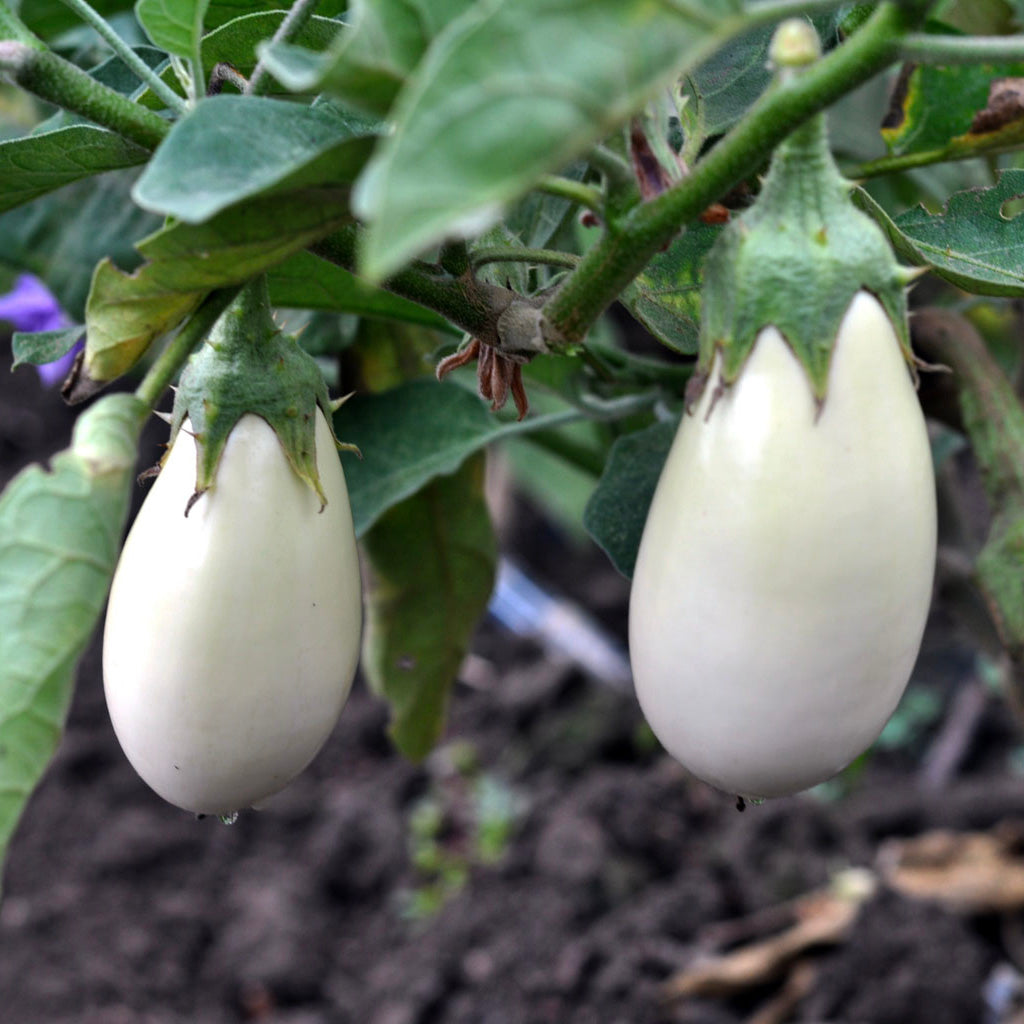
column 794, row 261
column 247, row 365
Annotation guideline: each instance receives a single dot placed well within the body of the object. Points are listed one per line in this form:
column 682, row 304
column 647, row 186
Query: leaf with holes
column 971, row 243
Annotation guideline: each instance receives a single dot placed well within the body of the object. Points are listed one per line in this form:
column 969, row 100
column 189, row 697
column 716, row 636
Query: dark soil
column 119, row 908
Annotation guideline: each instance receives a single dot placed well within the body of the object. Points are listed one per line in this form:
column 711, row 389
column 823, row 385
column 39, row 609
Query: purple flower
column 30, row 307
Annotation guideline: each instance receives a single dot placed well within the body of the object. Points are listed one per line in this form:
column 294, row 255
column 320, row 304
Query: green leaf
column 116, row 74
column 432, row 559
column 307, row 282
column 36, row 164
column 373, row 56
column 49, row 18
column 559, row 74
column 236, row 42
column 60, row 533
column 44, row 346
column 617, row 511
column 665, row 298
column 413, row 433
column 230, row 148
column 220, row 12
column 62, row 236
column 174, row 25
column 933, row 106
column 971, row 243
column 538, row 217
column 126, row 312
column 721, row 89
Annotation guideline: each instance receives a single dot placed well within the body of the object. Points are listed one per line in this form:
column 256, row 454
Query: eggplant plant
column 462, row 205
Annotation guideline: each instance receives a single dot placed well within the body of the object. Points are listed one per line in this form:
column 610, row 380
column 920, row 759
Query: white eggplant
column 232, row 634
column 785, row 571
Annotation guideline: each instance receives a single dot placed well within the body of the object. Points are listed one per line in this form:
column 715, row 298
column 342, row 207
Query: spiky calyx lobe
column 248, row 365
column 794, row 261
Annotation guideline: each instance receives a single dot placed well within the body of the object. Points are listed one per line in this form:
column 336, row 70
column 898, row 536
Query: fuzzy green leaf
column 413, row 433
column 126, row 312
column 48, row 18
column 432, row 560
column 174, row 25
column 236, row 41
column 220, row 12
column 60, row 533
column 231, row 148
column 62, row 236
column 517, row 88
column 32, row 166
column 617, row 510
column 373, row 56
column 43, row 346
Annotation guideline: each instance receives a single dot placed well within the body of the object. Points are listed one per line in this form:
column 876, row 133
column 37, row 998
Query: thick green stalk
column 13, row 28
column 137, row 65
column 165, row 369
column 965, row 147
column 625, row 249
column 60, row 82
column 930, row 49
column 574, row 191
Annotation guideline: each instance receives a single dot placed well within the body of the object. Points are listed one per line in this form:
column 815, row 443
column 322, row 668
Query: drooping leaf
column 665, row 298
column 62, row 236
column 230, row 148
column 617, row 511
column 44, row 346
column 970, row 243
column 516, row 89
column 174, row 25
column 36, row 164
column 126, row 312
column 432, row 561
column 307, row 282
column 413, row 433
column 60, row 532
column 379, row 48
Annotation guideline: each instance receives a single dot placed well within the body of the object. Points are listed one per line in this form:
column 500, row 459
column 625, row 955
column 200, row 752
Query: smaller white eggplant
column 232, row 633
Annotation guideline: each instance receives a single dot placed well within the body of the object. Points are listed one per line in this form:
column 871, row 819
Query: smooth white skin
column 232, row 635
column 785, row 572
